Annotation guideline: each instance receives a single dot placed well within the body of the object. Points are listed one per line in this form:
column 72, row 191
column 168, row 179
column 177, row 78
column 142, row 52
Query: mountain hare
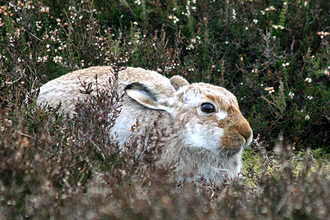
column 210, row 131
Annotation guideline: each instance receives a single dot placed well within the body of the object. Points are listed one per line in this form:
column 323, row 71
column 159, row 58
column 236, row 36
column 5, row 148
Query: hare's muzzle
column 237, row 134
column 245, row 131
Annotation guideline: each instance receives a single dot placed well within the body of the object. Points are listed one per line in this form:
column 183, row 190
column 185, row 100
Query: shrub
column 273, row 55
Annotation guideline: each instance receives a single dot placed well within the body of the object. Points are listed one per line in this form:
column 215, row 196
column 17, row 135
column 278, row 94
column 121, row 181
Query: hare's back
column 67, row 88
column 131, row 75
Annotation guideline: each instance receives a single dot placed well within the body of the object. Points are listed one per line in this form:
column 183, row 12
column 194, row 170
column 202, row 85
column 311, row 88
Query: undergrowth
column 273, row 55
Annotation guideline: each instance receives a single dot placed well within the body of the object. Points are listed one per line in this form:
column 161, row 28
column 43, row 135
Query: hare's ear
column 178, row 81
column 151, row 95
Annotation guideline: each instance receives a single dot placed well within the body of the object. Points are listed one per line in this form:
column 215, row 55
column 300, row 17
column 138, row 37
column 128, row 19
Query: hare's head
column 209, row 115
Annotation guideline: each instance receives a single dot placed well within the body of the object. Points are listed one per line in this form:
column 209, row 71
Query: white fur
column 198, row 136
column 222, row 115
column 207, row 145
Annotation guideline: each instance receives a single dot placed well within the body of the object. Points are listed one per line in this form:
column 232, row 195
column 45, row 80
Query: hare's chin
column 231, row 151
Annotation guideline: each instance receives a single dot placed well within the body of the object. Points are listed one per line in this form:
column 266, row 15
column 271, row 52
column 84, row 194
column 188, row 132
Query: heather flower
column 174, row 18
column 278, row 26
column 323, row 34
column 308, row 80
column 271, row 8
column 270, row 89
column 44, row 9
column 291, row 95
column 57, row 59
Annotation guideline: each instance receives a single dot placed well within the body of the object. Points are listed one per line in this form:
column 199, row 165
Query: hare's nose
column 245, row 130
column 247, row 136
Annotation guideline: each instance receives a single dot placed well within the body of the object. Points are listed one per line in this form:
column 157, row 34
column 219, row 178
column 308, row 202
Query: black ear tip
column 135, row 85
column 138, row 86
column 142, row 88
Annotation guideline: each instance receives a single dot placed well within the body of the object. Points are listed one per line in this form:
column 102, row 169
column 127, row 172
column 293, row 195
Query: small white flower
column 175, row 19
column 255, row 21
column 135, row 23
column 307, row 118
column 42, row 59
column 44, row 9
column 190, row 47
column 308, row 80
column 323, row 34
column 278, row 26
column 310, row 97
column 271, row 8
column 291, row 94
column 57, row 59
column 270, row 89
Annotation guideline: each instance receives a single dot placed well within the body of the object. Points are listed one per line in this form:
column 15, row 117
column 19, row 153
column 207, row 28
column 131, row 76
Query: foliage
column 273, row 55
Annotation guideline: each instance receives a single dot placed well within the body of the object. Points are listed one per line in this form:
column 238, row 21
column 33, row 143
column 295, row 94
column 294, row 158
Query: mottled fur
column 205, row 144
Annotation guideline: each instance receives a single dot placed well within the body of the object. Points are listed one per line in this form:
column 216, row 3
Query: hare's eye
column 207, row 108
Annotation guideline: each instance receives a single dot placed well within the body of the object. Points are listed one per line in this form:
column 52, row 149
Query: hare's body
column 210, row 131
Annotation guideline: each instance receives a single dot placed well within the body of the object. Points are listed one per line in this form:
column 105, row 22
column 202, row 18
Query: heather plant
column 273, row 55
